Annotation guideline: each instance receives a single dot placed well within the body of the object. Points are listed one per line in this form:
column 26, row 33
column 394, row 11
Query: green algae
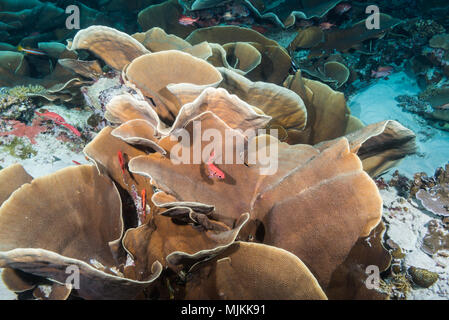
column 22, row 92
column 18, row 95
column 19, row 149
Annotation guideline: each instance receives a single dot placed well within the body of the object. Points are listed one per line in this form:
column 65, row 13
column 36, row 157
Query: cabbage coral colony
column 138, row 226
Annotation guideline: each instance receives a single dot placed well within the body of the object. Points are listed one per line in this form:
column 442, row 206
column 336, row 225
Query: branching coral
column 23, row 92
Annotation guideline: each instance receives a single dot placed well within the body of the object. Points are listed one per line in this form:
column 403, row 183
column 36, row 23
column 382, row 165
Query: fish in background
column 235, row 14
column 342, row 8
column 31, row 51
column 326, row 25
column 187, row 21
column 381, row 72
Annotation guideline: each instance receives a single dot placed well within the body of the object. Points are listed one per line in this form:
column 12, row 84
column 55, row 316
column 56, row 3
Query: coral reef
column 136, row 91
column 188, row 205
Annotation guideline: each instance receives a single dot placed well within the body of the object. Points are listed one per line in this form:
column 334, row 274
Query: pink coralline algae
column 20, row 129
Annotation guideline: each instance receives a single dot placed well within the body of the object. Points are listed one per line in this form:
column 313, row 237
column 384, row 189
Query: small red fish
column 326, row 25
column 76, row 162
column 59, row 120
column 72, row 129
column 187, row 21
column 31, row 51
column 213, row 170
column 52, row 116
column 381, row 72
column 144, row 203
column 121, row 162
column 342, row 8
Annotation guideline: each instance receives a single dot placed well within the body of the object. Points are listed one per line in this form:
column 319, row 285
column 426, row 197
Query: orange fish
column 213, row 170
column 144, row 203
column 187, row 21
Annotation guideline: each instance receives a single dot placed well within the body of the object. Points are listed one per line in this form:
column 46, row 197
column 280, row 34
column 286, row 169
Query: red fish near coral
column 381, row 72
column 59, row 120
column 342, row 8
column 121, row 162
column 144, row 203
column 213, row 170
column 187, row 21
column 72, row 129
column 51, row 116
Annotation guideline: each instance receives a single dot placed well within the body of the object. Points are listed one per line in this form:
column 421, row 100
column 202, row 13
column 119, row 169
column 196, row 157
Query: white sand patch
column 407, row 229
column 52, row 155
column 377, row 103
